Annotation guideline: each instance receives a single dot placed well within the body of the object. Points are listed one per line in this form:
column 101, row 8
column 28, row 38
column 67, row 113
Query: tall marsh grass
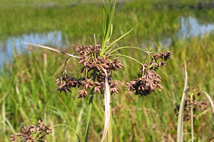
column 26, row 99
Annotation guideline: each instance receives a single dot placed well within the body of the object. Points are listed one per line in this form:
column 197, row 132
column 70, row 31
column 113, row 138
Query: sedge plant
column 97, row 65
column 189, row 106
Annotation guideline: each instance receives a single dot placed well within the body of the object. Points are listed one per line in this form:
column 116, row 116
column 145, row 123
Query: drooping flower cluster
column 32, row 133
column 148, row 80
column 93, row 67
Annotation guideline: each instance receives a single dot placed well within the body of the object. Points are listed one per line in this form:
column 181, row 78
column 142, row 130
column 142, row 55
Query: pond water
column 16, row 43
column 190, row 27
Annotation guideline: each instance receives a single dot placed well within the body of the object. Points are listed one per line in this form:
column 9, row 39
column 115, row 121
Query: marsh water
column 16, row 43
column 189, row 27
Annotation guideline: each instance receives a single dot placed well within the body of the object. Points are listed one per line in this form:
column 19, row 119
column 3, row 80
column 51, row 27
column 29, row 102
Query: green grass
column 76, row 21
column 28, row 91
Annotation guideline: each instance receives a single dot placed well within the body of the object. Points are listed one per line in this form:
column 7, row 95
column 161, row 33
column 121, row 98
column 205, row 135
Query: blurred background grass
column 28, row 91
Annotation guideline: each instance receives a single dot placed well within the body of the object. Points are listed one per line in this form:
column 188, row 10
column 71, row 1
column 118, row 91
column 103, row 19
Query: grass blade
column 10, row 126
column 107, row 23
column 89, row 114
column 104, row 19
column 103, row 51
column 181, row 110
column 210, row 99
column 192, row 125
column 70, row 128
column 3, row 98
column 49, row 48
column 3, row 119
column 110, row 29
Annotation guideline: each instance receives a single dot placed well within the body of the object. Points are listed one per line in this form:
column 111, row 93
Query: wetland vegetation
column 27, row 78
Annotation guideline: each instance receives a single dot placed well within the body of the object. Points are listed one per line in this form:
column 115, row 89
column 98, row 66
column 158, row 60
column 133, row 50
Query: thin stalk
column 70, row 128
column 3, row 98
column 127, row 57
column 107, row 107
column 66, row 62
column 181, row 110
column 151, row 66
column 10, row 126
column 49, row 48
column 3, row 119
column 191, row 102
column 210, row 99
column 89, row 113
column 131, row 47
column 39, row 135
column 109, row 135
column 108, row 47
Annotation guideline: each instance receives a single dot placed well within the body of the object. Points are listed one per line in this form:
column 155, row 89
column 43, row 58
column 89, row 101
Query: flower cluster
column 93, row 66
column 196, row 105
column 165, row 56
column 32, row 133
column 148, row 80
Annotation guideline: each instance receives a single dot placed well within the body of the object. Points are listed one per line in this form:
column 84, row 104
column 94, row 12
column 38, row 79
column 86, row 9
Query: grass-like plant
column 188, row 107
column 98, row 65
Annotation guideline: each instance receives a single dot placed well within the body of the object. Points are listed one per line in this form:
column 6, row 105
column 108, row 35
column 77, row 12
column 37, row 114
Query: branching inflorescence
column 93, row 67
column 148, row 80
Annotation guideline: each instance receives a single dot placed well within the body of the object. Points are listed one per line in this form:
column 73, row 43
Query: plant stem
column 127, row 57
column 109, row 135
column 192, row 132
column 181, row 110
column 70, row 129
column 125, row 47
column 3, row 118
column 89, row 113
